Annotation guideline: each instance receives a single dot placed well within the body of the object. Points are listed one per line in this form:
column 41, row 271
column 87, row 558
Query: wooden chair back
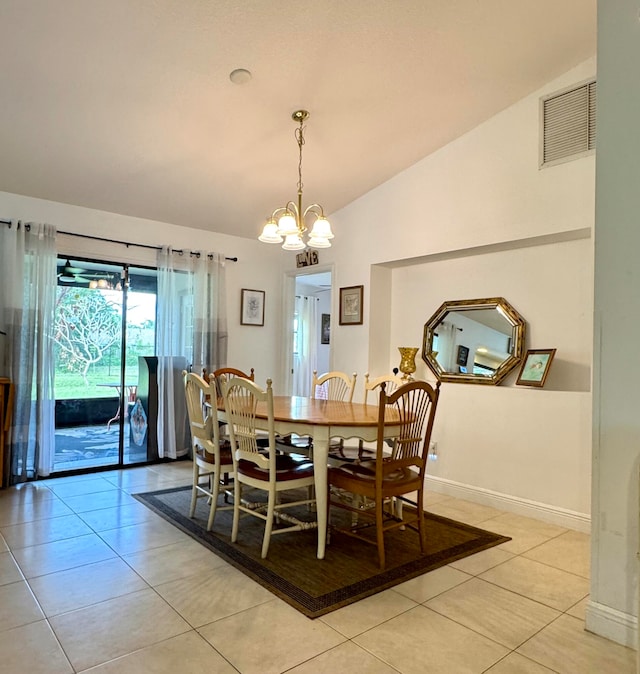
column 196, row 391
column 333, row 386
column 341, row 453
column 241, row 397
column 391, row 382
column 416, row 403
column 228, row 372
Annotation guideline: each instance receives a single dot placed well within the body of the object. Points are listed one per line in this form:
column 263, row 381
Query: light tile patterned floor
column 92, row 581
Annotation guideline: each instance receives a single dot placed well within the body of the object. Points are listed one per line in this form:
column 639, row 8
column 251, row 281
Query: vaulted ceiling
column 127, row 105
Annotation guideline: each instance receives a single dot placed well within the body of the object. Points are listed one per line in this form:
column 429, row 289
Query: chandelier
column 288, row 222
column 105, row 283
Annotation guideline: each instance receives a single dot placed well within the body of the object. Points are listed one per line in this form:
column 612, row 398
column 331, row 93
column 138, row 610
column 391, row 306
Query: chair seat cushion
column 365, row 472
column 288, row 467
column 225, row 454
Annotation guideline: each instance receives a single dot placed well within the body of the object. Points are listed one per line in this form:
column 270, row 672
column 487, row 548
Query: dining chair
column 227, row 372
column 269, row 470
column 333, row 386
column 389, row 477
column 212, row 378
column 211, row 457
column 341, row 452
column 328, row 386
column 215, row 380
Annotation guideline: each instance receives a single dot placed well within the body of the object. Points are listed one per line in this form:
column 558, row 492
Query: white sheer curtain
column 305, row 359
column 191, row 333
column 27, row 292
column 447, row 332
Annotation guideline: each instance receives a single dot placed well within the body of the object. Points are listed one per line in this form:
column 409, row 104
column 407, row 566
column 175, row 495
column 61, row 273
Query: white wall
column 479, row 219
column 258, row 266
column 524, row 443
column 613, row 607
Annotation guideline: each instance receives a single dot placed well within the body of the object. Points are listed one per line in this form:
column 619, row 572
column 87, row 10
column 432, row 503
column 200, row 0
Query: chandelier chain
column 300, row 139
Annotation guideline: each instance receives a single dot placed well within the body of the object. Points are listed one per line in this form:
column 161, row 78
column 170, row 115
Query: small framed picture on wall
column 252, row 307
column 463, row 355
column 325, row 329
column 351, row 300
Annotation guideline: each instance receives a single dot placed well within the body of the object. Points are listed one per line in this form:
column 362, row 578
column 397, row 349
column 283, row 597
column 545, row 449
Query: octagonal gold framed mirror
column 474, row 341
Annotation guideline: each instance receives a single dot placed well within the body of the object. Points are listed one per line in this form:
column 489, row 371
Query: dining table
column 322, row 420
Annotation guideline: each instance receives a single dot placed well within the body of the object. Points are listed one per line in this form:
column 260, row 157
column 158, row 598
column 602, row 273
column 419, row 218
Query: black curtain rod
column 123, row 243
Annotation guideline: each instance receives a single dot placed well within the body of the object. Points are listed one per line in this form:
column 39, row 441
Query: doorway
column 105, row 317
column 310, row 314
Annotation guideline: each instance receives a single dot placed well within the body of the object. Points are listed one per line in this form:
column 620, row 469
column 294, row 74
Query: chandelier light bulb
column 321, row 229
column 287, row 224
column 318, row 242
column 270, row 233
column 293, row 242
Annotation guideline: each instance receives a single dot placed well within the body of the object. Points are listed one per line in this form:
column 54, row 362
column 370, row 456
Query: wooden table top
column 326, row 412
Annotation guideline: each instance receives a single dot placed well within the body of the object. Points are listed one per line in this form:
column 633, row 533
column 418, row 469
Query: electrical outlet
column 433, row 450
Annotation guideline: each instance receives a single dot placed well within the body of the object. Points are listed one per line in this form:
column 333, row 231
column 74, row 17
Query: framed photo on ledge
column 351, row 305
column 535, row 367
column 252, row 307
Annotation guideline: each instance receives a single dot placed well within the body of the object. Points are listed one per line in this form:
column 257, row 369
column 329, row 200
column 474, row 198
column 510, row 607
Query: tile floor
column 91, row 580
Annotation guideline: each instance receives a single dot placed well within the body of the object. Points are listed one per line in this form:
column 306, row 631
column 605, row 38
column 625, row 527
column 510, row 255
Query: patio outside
column 87, row 382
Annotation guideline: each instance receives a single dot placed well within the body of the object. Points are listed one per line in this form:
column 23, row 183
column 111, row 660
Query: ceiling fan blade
column 76, row 280
column 68, row 272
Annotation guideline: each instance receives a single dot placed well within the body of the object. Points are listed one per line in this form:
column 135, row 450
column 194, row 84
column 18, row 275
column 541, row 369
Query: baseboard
column 612, row 624
column 540, row 511
column 600, row 619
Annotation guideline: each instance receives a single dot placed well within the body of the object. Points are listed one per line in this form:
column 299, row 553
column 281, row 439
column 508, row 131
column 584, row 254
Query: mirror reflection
column 474, row 341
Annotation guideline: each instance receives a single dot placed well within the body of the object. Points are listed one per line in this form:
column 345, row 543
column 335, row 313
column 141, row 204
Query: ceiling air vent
column 568, row 124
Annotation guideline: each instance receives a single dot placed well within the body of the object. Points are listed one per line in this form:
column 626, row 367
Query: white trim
column 503, row 246
column 514, row 504
column 611, row 624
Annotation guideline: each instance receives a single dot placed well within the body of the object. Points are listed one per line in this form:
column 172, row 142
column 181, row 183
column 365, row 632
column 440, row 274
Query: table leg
column 117, row 416
column 320, row 458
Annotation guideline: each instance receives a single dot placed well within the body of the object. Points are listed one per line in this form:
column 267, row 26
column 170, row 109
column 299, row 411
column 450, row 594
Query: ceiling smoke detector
column 240, row 76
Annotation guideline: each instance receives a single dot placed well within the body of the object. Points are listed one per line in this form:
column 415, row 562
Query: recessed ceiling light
column 240, row 76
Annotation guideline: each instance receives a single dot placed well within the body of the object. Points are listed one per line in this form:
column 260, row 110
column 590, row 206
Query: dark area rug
column 349, row 572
